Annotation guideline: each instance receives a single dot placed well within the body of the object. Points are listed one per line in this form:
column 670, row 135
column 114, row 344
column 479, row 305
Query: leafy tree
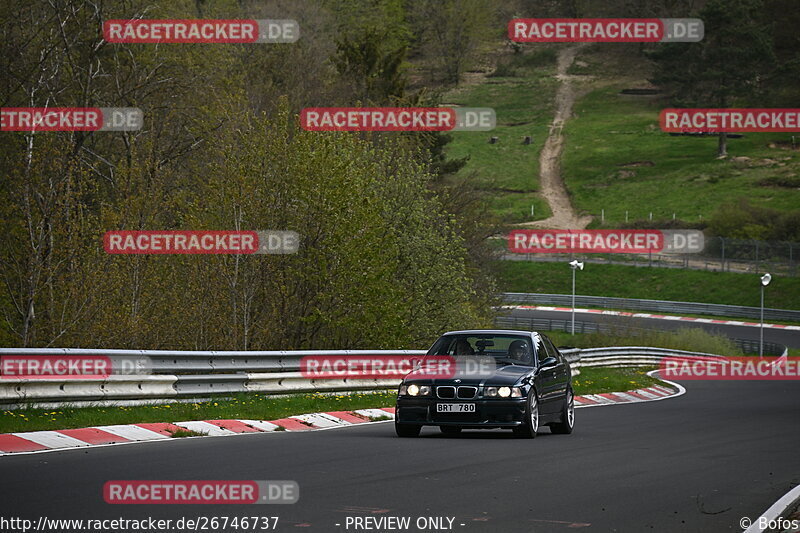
column 783, row 86
column 388, row 250
column 375, row 74
column 727, row 67
column 450, row 35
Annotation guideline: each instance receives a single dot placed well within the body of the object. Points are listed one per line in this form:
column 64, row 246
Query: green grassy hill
column 521, row 92
column 615, row 156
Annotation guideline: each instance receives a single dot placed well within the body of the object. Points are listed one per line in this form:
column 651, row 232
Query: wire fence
column 721, row 254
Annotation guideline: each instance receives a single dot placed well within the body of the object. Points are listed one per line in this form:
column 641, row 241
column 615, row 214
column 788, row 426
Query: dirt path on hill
column 550, row 180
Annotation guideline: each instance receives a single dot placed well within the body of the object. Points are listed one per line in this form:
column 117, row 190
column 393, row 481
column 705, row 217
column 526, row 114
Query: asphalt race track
column 698, row 462
column 787, row 338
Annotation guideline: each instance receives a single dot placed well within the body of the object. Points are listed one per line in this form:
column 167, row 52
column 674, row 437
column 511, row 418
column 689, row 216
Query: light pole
column 765, row 279
column 574, row 265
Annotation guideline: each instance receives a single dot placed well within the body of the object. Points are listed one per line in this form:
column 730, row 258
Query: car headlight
column 502, row 392
column 415, row 390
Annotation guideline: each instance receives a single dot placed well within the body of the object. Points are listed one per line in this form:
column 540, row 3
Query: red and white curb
column 44, row 441
column 650, row 315
column 650, row 394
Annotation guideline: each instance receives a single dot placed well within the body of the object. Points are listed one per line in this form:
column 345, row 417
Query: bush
column 515, row 64
column 743, row 220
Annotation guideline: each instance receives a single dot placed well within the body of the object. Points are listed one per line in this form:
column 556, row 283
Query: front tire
column 531, row 424
column 407, row 430
column 567, row 416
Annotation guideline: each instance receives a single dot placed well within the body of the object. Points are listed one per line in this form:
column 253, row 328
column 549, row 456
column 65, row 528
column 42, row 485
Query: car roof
column 491, row 332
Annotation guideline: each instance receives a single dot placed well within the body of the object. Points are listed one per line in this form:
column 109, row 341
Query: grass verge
column 244, row 406
column 688, row 339
column 597, row 380
column 649, row 283
column 181, row 433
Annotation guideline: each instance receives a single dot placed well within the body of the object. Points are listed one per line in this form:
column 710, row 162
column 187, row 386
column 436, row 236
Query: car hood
column 502, row 375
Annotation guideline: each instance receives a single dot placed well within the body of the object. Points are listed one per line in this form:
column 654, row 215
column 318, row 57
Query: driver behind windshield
column 518, row 350
column 463, row 348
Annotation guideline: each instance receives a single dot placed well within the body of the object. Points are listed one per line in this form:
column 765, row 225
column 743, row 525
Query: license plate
column 455, row 407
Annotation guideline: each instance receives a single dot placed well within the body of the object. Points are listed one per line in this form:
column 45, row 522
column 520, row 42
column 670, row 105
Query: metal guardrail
column 547, row 324
column 624, row 356
column 662, row 306
column 187, row 374
column 166, row 387
column 208, row 362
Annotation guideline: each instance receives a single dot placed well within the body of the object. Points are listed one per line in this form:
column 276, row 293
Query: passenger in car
column 518, row 350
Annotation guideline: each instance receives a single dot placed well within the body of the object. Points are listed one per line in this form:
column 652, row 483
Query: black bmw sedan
column 500, row 379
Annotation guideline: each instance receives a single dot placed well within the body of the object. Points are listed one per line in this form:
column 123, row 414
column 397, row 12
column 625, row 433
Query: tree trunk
column 722, row 148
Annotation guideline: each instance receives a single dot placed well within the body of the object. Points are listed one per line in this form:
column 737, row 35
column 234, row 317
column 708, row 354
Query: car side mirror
column 549, row 362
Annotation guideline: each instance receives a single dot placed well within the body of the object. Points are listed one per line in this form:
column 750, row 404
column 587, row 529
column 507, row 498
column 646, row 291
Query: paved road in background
column 787, row 338
column 699, row 462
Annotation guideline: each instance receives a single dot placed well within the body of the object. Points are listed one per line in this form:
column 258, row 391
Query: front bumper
column 491, row 413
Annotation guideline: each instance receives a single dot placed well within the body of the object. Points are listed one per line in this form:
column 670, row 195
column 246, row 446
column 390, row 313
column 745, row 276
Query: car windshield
column 506, row 349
